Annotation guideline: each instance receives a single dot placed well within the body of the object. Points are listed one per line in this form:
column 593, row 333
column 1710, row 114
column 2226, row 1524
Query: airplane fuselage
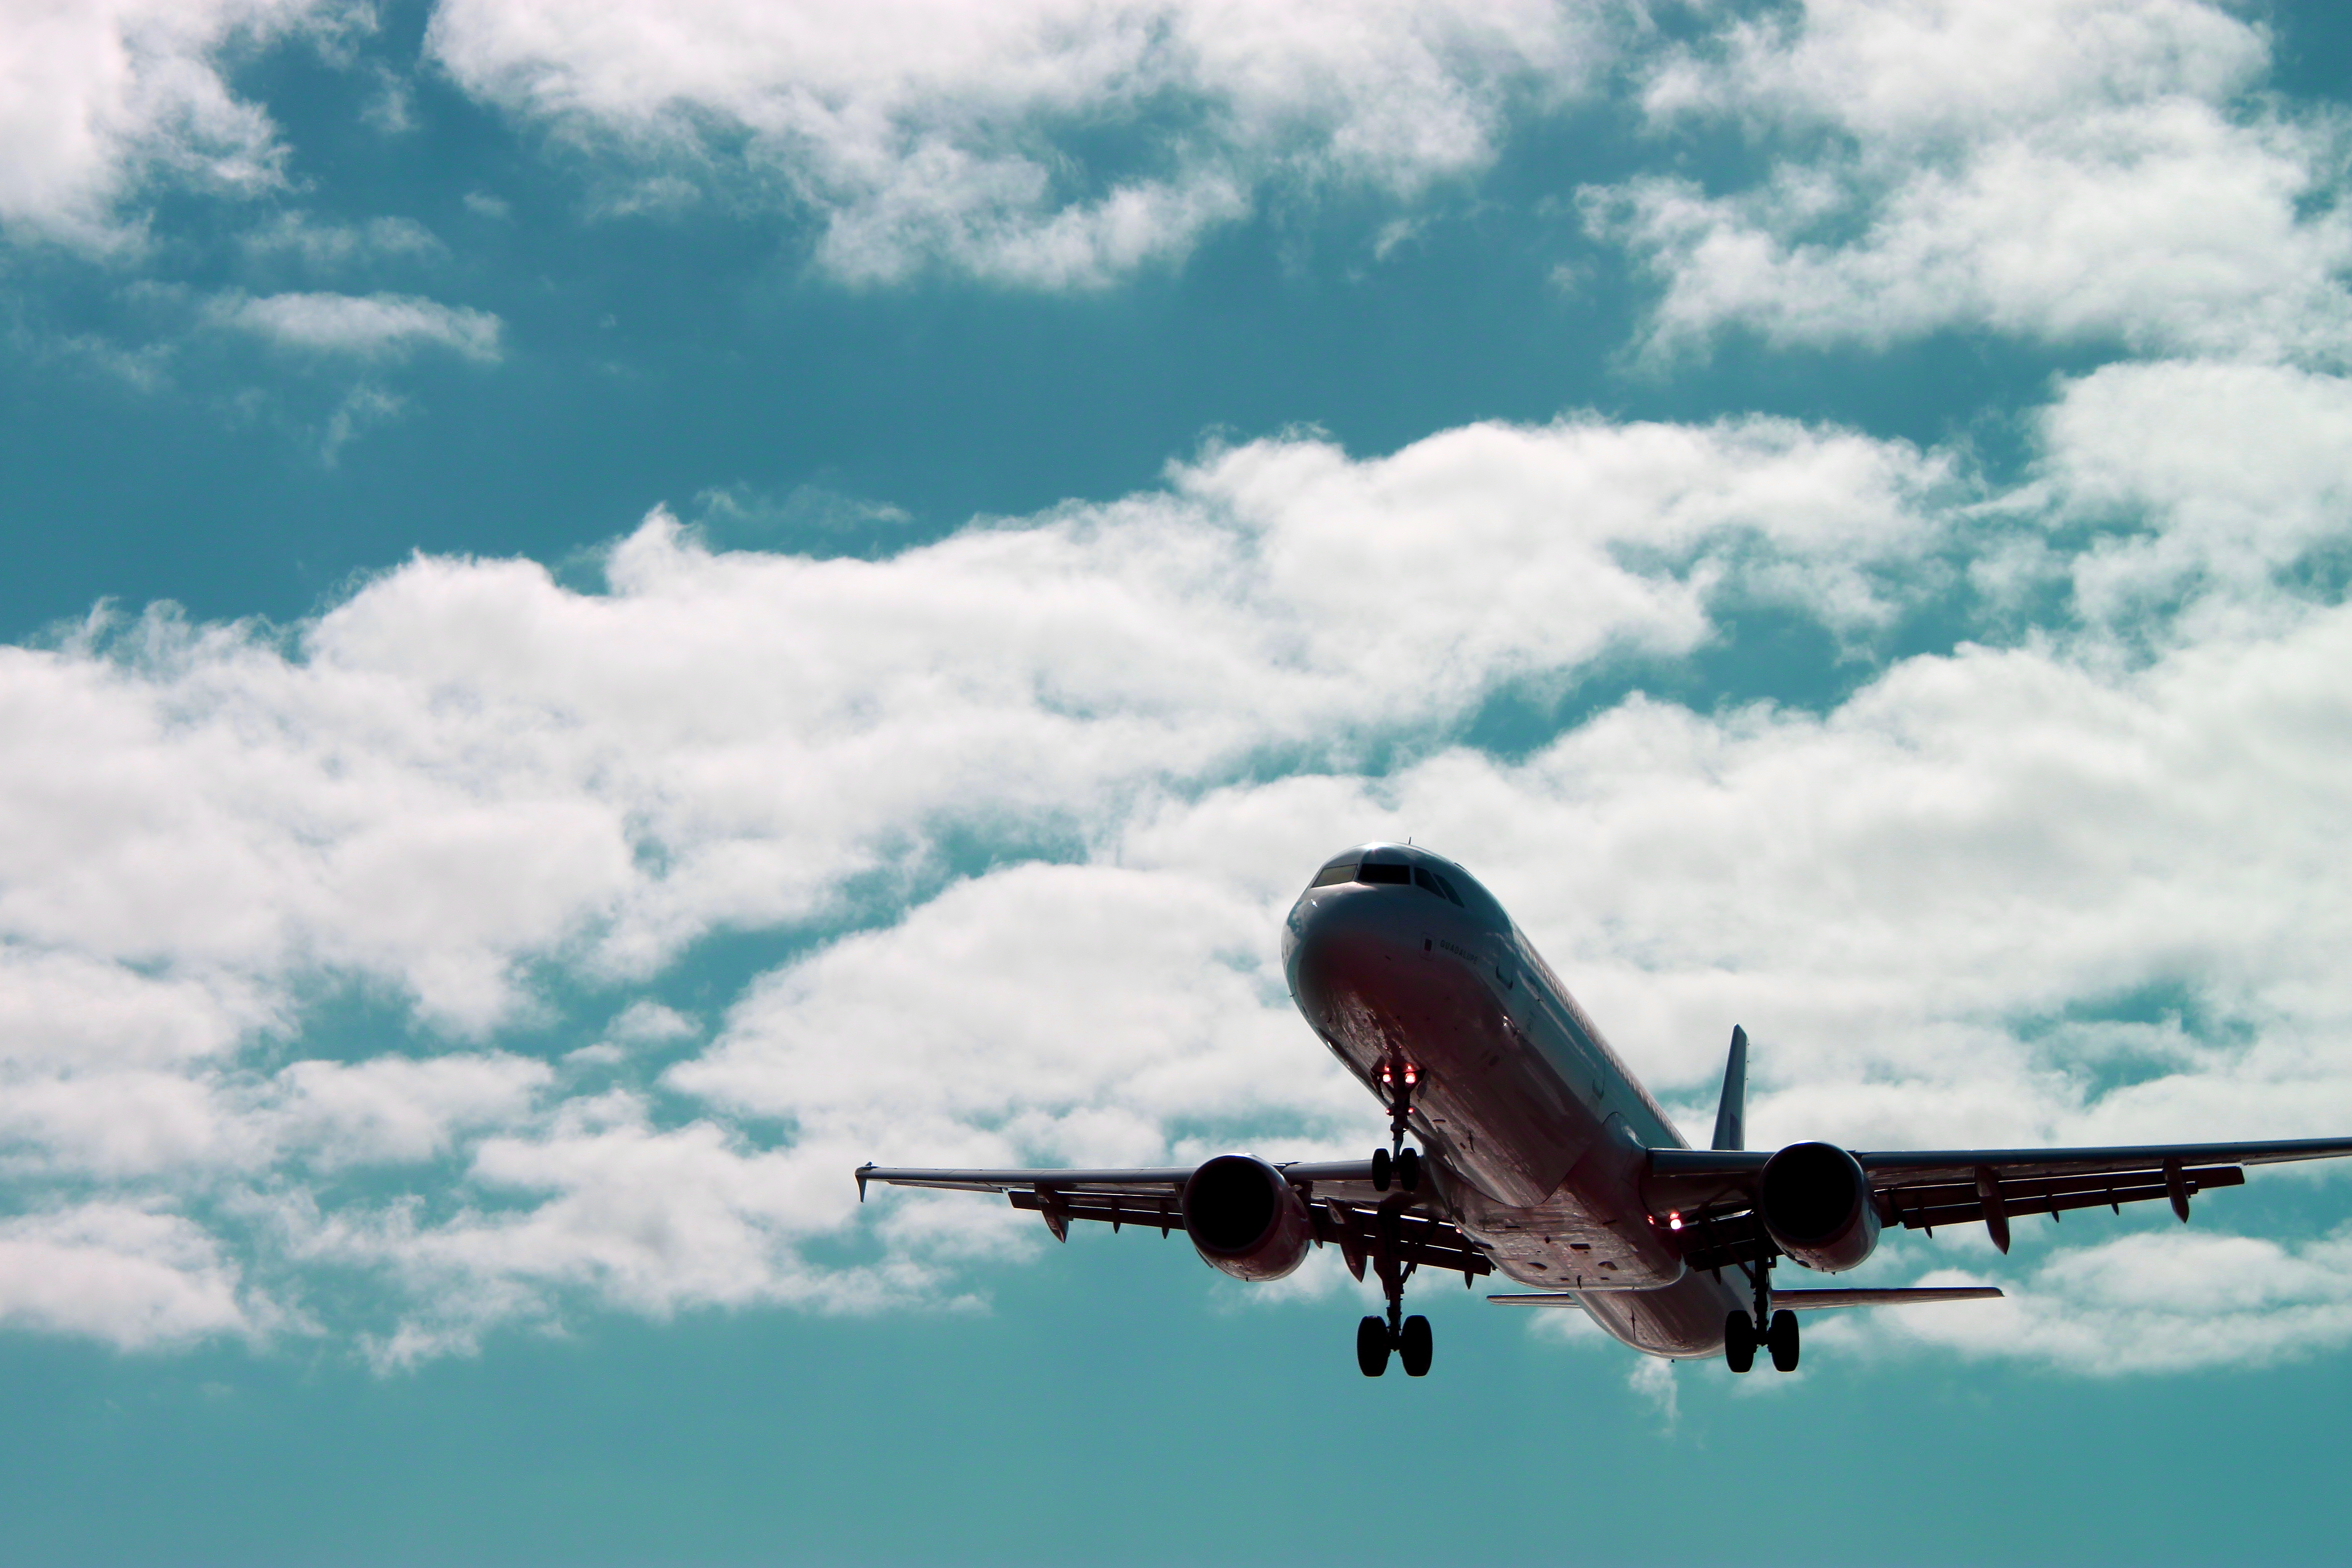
column 1534, row 1133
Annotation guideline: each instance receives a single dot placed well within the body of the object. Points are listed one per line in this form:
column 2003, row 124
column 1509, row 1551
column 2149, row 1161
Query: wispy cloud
column 364, row 326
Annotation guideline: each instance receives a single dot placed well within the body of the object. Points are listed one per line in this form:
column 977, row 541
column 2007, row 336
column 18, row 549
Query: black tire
column 1379, row 1170
column 1413, row 1347
column 1782, row 1338
column 1739, row 1341
column 1407, row 1169
column 1372, row 1347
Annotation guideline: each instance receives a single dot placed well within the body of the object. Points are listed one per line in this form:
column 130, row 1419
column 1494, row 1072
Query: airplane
column 1543, row 1158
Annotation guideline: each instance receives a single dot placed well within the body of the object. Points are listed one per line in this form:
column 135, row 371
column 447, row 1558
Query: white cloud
column 2217, row 478
column 1066, row 1041
column 928, row 132
column 132, row 1279
column 99, row 97
column 2162, row 1301
column 366, row 326
column 329, row 246
column 646, row 1022
column 399, row 1108
column 2087, row 172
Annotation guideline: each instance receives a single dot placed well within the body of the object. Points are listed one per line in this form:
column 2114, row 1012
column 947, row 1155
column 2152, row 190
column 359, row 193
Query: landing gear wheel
column 1379, row 1170
column 1739, row 1341
column 1372, row 1347
column 1407, row 1169
column 1782, row 1338
column 1413, row 1347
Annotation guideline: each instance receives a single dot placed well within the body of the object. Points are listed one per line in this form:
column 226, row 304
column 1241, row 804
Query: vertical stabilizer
column 1731, row 1112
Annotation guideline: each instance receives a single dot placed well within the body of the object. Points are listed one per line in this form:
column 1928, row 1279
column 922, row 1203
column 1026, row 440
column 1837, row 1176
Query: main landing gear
column 1410, row 1340
column 1408, row 1337
column 1775, row 1332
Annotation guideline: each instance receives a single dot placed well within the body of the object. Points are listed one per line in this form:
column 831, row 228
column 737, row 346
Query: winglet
column 1731, row 1112
column 861, row 1179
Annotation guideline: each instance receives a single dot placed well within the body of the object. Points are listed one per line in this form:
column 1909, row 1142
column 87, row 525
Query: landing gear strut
column 1398, row 1079
column 1408, row 1337
column 1775, row 1332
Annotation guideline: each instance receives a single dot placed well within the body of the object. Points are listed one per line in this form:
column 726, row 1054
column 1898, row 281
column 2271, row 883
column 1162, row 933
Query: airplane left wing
column 1347, row 1210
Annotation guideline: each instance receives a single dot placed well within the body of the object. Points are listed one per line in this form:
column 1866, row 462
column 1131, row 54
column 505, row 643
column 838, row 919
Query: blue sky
column 617, row 613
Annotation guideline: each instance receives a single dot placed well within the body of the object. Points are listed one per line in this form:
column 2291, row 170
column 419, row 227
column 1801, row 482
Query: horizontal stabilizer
column 1797, row 1300
column 1917, row 1295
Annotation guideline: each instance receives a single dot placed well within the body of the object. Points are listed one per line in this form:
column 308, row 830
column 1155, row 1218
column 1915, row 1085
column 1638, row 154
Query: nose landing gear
column 1397, row 1080
column 1400, row 1169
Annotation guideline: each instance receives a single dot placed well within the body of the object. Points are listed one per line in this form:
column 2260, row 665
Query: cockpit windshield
column 1386, row 865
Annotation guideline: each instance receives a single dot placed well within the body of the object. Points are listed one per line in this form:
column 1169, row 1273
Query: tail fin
column 1731, row 1112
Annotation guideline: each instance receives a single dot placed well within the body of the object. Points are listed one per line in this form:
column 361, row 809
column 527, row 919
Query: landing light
column 1674, row 1219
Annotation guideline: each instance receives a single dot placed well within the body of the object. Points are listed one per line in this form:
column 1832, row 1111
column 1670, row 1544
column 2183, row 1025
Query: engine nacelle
column 1246, row 1219
column 1816, row 1206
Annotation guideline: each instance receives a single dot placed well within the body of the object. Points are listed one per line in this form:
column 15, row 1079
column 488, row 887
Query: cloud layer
column 493, row 801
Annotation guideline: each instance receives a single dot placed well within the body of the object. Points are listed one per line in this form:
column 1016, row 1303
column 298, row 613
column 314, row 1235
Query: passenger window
column 1331, row 875
column 1370, row 872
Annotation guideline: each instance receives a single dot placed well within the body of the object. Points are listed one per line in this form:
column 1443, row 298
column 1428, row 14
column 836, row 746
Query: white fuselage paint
column 1533, row 1130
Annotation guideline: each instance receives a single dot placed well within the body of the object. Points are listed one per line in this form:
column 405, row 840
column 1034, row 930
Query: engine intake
column 1245, row 1218
column 1815, row 1204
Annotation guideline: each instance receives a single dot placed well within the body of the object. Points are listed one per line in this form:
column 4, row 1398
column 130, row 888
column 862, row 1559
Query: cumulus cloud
column 2165, row 1301
column 362, row 326
column 98, row 99
column 2091, row 172
column 930, row 133
column 399, row 1108
column 132, row 1278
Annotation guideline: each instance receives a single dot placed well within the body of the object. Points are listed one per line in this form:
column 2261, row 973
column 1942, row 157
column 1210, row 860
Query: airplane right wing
column 1712, row 1193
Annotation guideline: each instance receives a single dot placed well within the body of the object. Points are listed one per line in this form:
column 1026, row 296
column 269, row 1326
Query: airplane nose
column 1305, row 932
column 1334, row 939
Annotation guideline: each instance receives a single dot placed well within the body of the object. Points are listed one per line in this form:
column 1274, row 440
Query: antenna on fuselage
column 1731, row 1110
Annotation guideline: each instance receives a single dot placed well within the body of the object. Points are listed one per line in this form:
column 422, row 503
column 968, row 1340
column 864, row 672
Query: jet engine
column 1246, row 1219
column 1816, row 1206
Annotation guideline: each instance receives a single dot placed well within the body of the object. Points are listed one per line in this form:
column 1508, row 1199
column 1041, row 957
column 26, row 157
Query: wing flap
column 1926, row 1206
